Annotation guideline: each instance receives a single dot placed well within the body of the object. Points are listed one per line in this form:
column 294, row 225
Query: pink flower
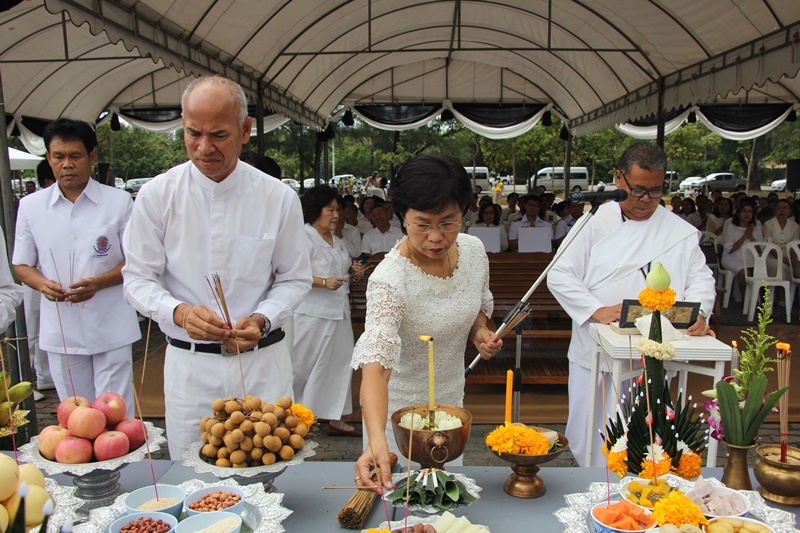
column 714, row 419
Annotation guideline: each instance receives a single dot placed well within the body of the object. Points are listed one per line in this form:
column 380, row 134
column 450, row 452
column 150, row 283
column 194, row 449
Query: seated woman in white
column 489, row 217
column 743, row 228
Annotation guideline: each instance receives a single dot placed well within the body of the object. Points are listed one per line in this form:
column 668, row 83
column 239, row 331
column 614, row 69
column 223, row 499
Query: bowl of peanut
column 215, row 498
column 147, row 522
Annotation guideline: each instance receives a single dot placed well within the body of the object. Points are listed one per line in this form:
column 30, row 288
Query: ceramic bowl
column 196, row 495
column 203, row 520
column 599, row 527
column 624, row 490
column 124, row 520
column 145, row 494
column 725, row 491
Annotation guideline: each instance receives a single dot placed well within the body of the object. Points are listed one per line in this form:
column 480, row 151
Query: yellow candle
column 509, row 394
column 431, row 394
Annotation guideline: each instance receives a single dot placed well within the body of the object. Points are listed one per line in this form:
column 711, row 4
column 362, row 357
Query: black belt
column 219, row 349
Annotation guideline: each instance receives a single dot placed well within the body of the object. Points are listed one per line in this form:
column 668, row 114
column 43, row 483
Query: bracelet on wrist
column 325, row 283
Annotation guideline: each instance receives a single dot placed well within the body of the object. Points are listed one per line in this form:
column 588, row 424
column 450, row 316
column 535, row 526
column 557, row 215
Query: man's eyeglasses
column 444, row 227
column 638, row 192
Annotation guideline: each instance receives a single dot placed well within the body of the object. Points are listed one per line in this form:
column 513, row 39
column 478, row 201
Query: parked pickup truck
column 721, row 181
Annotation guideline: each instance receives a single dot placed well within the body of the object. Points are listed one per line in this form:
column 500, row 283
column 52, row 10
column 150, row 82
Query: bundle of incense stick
column 518, row 315
column 784, row 361
column 355, row 511
column 219, row 296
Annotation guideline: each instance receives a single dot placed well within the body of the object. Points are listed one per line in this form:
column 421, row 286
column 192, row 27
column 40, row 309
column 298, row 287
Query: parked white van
column 552, row 179
column 482, row 183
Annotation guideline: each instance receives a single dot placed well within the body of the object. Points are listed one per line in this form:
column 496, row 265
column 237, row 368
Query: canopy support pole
column 660, row 115
column 260, row 122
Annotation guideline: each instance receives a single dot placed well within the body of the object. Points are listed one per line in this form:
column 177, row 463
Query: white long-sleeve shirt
column 10, row 293
column 246, row 228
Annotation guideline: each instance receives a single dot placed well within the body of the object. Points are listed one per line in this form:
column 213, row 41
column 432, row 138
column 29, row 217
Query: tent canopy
column 22, row 160
column 596, row 62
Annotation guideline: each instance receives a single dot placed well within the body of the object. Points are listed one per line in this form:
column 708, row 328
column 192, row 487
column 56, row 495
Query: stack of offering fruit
column 91, row 431
column 16, row 395
column 644, row 493
column 11, row 477
column 250, row 432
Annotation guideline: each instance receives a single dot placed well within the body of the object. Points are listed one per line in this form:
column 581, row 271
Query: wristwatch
column 267, row 324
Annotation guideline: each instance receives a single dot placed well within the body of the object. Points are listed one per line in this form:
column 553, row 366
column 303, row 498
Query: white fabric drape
column 397, row 127
column 32, row 142
column 650, row 132
column 744, row 135
column 507, row 132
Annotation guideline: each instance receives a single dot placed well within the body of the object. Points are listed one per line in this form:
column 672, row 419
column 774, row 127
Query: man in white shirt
column 608, row 261
column 383, row 236
column 511, row 208
column 211, row 215
column 10, row 292
column 564, row 225
column 531, row 220
column 348, row 225
column 74, row 232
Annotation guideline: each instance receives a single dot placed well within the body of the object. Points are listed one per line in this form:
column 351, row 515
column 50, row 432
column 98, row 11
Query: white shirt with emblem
column 74, row 241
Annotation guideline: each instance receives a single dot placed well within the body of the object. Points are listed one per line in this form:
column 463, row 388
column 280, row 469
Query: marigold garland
column 663, row 465
column 657, row 300
column 510, row 438
column 303, row 414
column 676, row 509
column 689, row 465
column 616, row 462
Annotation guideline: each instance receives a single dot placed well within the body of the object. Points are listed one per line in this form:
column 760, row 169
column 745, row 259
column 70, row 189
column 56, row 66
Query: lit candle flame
column 785, row 346
column 426, row 338
column 735, row 344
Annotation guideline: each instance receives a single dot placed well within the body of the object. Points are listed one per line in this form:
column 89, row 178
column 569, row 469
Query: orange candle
column 509, row 394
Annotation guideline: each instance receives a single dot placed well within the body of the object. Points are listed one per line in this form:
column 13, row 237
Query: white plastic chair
column 793, row 252
column 760, row 251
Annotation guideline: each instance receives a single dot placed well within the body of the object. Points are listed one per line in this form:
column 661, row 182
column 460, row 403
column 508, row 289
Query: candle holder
column 433, row 448
column 525, row 481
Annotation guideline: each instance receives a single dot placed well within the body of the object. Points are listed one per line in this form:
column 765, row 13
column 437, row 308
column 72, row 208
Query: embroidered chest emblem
column 102, row 245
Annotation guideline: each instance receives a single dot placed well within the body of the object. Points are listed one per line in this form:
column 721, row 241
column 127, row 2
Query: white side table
column 618, row 353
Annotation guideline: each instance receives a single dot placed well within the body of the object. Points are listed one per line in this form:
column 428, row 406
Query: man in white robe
column 607, row 263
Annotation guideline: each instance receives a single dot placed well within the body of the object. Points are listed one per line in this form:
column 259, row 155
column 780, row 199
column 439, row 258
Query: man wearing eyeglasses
column 607, row 263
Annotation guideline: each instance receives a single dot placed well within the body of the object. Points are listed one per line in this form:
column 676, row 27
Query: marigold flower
column 616, row 461
column 303, row 414
column 689, row 465
column 657, row 300
column 662, row 467
column 510, row 438
column 676, row 509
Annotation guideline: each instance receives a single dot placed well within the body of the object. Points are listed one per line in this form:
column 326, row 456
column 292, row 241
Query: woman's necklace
column 326, row 235
column 449, row 265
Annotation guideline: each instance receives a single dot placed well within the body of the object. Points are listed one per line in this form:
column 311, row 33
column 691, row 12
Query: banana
column 3, row 381
column 20, row 391
column 6, row 410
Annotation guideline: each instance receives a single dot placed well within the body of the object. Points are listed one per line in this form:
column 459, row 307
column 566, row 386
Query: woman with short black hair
column 433, row 282
column 489, row 217
column 323, row 333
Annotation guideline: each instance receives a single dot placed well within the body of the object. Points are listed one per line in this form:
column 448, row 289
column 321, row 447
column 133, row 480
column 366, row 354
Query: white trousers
column 192, row 380
column 32, row 301
column 95, row 374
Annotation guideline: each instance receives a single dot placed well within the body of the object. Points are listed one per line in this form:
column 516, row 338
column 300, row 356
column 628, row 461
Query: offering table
column 613, row 353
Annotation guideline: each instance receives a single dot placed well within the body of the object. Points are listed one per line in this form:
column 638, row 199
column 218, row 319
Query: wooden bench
column 548, row 327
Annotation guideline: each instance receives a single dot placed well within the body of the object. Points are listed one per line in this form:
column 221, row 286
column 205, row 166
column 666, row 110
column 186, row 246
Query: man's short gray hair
column 647, row 156
column 238, row 97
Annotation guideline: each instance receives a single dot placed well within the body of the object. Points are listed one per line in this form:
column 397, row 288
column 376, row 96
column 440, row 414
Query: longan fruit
column 247, row 428
column 238, row 436
column 301, row 430
column 270, row 419
column 272, row 443
column 285, row 402
column 209, row 424
column 228, row 425
column 279, row 412
column 218, row 429
column 282, row 433
column 218, row 405
column 231, row 406
column 204, row 437
column 253, row 403
column 238, row 457
column 203, row 423
column 210, row 451
column 255, row 416
column 246, row 444
column 216, row 441
column 258, row 441
column 268, row 458
column 262, row 429
column 240, row 465
column 230, row 443
column 256, row 454
column 297, row 442
column 223, row 462
column 267, row 407
column 291, row 421
column 223, row 453
column 286, row 453
column 237, row 417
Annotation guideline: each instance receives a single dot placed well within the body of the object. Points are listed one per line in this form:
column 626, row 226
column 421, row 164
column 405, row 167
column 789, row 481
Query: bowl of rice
column 216, row 522
column 170, row 500
column 153, row 516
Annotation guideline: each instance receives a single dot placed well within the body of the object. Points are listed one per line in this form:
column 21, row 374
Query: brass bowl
column 525, row 481
column 780, row 482
column 432, row 449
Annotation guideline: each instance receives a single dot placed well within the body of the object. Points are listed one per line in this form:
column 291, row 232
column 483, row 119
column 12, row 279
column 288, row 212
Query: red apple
column 110, row 445
column 113, row 406
column 68, row 405
column 74, row 450
column 135, row 430
column 86, row 422
column 49, row 438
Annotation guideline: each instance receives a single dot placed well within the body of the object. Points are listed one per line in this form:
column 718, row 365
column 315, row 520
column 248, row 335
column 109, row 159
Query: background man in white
column 607, row 263
column 216, row 214
column 73, row 231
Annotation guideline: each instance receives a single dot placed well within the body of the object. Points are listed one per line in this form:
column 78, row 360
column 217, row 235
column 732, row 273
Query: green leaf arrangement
column 741, row 424
column 753, row 361
column 449, row 493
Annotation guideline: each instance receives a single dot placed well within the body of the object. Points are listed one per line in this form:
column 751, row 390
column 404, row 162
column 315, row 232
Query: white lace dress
column 404, row 302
